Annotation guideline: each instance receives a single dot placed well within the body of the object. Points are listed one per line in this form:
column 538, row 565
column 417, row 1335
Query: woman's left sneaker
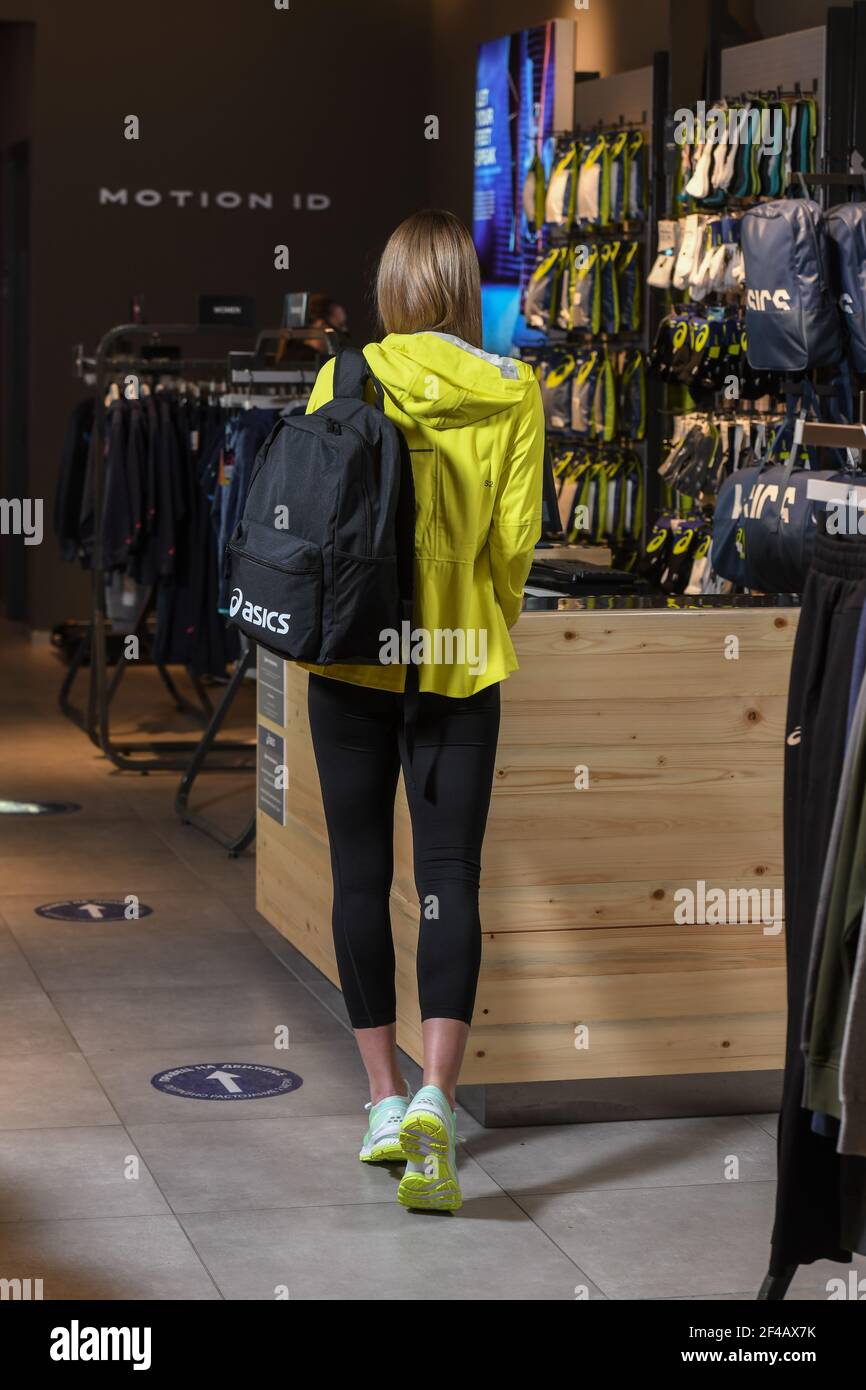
column 428, row 1137
column 382, row 1140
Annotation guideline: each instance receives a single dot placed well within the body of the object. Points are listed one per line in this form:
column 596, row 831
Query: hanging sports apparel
column 631, row 410
column 661, row 275
column 542, row 292
column 690, row 250
column 562, row 190
column 692, row 459
column 637, row 177
column 593, row 184
column 629, row 289
column 600, row 497
column 586, row 289
column 174, row 465
column 604, row 401
column 564, row 318
column 698, row 185
column 555, row 379
column 702, row 577
column 610, row 310
column 534, row 196
column 618, row 161
column 706, row 351
column 584, row 383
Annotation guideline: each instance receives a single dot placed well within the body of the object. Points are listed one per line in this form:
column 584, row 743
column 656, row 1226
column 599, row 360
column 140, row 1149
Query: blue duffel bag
column 846, row 229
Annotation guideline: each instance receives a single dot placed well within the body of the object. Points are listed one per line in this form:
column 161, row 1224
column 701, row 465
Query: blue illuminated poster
column 524, row 90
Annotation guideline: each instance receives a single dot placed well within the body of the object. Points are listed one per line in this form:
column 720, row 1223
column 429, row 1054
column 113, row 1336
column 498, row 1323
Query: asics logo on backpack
column 258, row 616
column 759, row 299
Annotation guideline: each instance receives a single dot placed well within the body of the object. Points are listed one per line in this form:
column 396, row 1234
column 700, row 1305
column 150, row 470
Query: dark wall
column 236, row 97
column 16, row 120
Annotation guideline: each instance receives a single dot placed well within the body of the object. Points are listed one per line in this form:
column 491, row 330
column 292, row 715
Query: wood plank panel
column 545, row 1052
column 293, row 890
column 632, row 768
column 762, row 632
column 741, row 718
column 664, row 676
column 628, row 950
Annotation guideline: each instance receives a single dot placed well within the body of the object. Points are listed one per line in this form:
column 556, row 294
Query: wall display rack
column 630, row 101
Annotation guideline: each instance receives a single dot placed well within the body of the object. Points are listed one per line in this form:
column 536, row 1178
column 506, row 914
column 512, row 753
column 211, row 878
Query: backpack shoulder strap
column 351, row 374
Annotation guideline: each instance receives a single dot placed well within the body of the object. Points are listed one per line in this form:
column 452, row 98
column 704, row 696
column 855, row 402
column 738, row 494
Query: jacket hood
column 443, row 383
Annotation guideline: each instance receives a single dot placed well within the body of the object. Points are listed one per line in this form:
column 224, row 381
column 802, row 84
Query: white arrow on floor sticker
column 225, row 1077
column 93, row 908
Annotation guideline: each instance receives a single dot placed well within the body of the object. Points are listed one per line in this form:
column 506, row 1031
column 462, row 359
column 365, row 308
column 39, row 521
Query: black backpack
column 322, row 559
column 792, row 322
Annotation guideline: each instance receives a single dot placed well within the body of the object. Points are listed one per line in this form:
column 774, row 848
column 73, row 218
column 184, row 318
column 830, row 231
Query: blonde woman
column 474, row 426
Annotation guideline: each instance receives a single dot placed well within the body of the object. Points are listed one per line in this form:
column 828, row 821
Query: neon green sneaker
column 428, row 1136
column 382, row 1140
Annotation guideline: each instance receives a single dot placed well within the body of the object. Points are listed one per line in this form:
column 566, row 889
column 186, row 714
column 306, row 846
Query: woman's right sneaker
column 428, row 1138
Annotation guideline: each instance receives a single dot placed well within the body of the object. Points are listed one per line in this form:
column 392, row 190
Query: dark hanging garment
column 136, row 476
column 148, row 562
column 819, row 1201
column 175, row 605
column 167, row 461
column 116, row 510
column 214, row 645
column 70, row 483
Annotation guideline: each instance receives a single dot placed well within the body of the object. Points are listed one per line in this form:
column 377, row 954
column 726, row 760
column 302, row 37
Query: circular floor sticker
column 94, row 910
column 226, row 1081
column 37, row 808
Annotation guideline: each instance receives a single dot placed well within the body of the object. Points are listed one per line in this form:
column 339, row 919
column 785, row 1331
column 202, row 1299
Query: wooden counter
column 683, row 747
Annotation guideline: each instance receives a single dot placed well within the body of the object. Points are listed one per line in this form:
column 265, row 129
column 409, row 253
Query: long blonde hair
column 429, row 278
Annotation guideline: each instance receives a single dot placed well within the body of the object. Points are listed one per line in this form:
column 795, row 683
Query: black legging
column 356, row 737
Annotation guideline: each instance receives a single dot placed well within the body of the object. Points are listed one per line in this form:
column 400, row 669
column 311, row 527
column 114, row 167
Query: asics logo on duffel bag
column 759, row 299
column 256, row 615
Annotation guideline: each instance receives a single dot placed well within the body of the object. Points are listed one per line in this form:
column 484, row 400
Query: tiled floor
column 110, row 1188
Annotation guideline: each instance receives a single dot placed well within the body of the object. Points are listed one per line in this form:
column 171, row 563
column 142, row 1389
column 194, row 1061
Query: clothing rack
column 148, row 755
column 253, row 370
column 832, row 435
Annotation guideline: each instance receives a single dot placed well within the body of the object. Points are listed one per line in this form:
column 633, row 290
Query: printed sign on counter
column 271, row 684
column 271, row 779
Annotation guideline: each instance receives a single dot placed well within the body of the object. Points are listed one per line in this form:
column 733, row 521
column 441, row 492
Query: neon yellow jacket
column 474, row 424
